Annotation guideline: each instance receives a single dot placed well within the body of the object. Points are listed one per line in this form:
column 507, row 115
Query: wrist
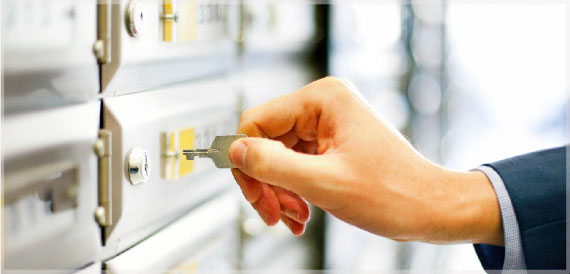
column 476, row 209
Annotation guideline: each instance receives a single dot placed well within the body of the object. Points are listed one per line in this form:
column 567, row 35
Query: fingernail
column 292, row 214
column 237, row 154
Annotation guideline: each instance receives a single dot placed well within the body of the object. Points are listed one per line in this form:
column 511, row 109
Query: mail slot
column 50, row 189
column 47, row 54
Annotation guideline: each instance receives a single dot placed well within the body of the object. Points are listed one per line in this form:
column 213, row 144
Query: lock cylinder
column 135, row 18
column 138, row 166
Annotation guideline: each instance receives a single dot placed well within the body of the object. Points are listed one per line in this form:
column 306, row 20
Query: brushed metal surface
column 139, row 120
column 146, row 62
column 47, row 54
column 184, row 245
column 51, row 189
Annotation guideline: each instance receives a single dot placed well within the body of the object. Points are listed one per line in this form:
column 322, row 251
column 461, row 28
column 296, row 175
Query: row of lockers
column 100, row 97
column 52, row 49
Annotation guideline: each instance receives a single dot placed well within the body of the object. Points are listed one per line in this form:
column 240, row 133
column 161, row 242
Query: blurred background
column 100, row 87
column 467, row 83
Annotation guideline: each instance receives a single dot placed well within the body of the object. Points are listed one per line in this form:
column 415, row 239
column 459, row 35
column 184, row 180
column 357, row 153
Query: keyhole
column 141, row 16
column 146, row 164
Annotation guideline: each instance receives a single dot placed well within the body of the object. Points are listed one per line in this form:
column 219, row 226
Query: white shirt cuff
column 514, row 255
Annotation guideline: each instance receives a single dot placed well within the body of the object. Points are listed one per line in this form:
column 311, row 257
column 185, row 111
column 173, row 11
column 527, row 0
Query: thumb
column 271, row 162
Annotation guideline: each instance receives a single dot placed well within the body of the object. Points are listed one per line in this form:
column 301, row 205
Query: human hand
column 325, row 144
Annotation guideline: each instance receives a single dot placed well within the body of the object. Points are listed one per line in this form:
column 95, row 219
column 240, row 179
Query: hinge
column 102, row 47
column 103, row 213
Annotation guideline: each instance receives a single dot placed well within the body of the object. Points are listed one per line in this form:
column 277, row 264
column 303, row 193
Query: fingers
column 288, row 139
column 252, row 189
column 271, row 162
column 298, row 111
column 290, row 204
column 295, row 227
column 268, row 206
column 272, row 171
column 306, row 147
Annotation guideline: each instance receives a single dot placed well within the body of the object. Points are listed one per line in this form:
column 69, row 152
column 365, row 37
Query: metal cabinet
column 205, row 238
column 146, row 44
column 100, row 99
column 277, row 28
column 47, row 54
column 162, row 123
column 50, row 188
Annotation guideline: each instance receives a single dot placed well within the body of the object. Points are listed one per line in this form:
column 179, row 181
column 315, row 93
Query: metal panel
column 168, row 41
column 197, row 112
column 278, row 28
column 207, row 238
column 94, row 268
column 47, row 50
column 50, row 188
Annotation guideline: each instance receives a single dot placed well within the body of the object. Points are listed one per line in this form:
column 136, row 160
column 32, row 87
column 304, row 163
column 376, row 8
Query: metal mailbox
column 157, row 126
column 146, row 44
column 50, row 188
column 47, row 54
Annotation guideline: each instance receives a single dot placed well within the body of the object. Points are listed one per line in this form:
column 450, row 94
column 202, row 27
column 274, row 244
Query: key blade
column 191, row 153
column 222, row 144
column 218, row 151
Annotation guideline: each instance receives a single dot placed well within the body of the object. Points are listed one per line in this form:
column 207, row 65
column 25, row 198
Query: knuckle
column 334, row 86
column 340, row 87
column 245, row 115
column 332, row 80
column 246, row 123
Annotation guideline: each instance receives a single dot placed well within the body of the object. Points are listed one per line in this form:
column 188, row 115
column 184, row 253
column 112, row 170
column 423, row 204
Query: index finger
column 298, row 111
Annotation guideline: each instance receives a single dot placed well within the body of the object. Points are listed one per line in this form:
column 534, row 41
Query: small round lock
column 138, row 166
column 135, row 18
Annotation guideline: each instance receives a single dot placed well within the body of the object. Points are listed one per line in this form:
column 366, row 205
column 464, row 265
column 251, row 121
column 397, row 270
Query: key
column 218, row 151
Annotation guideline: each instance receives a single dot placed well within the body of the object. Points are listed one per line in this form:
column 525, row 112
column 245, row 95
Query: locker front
column 151, row 182
column 50, row 189
column 47, row 56
column 144, row 45
column 278, row 28
column 204, row 239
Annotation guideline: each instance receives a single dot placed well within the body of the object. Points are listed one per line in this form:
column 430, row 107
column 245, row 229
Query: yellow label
column 172, row 160
column 168, row 23
column 186, row 140
column 186, row 267
column 174, row 163
column 179, row 19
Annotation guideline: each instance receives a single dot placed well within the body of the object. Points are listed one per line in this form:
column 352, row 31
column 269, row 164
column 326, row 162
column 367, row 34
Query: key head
column 220, row 148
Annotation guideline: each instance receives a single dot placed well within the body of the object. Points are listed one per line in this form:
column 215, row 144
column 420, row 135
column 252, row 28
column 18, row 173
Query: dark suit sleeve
column 536, row 184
